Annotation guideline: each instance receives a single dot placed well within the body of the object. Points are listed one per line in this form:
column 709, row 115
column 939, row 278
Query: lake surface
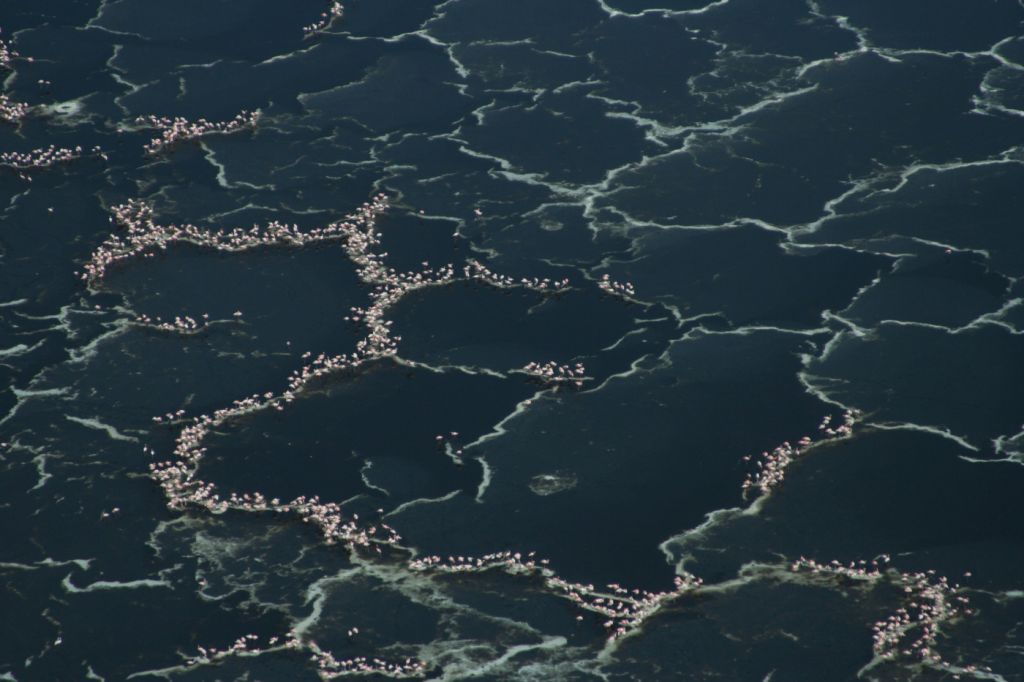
column 536, row 340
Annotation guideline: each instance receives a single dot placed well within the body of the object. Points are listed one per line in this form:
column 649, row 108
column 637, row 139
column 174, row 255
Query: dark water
column 819, row 204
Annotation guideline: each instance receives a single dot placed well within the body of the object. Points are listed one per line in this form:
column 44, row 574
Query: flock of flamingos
column 909, row 633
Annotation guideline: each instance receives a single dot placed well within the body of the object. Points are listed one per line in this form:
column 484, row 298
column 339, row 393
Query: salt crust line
column 624, row 611
column 178, row 478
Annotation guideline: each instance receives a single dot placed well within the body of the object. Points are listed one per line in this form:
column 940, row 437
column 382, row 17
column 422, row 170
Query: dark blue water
column 737, row 218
